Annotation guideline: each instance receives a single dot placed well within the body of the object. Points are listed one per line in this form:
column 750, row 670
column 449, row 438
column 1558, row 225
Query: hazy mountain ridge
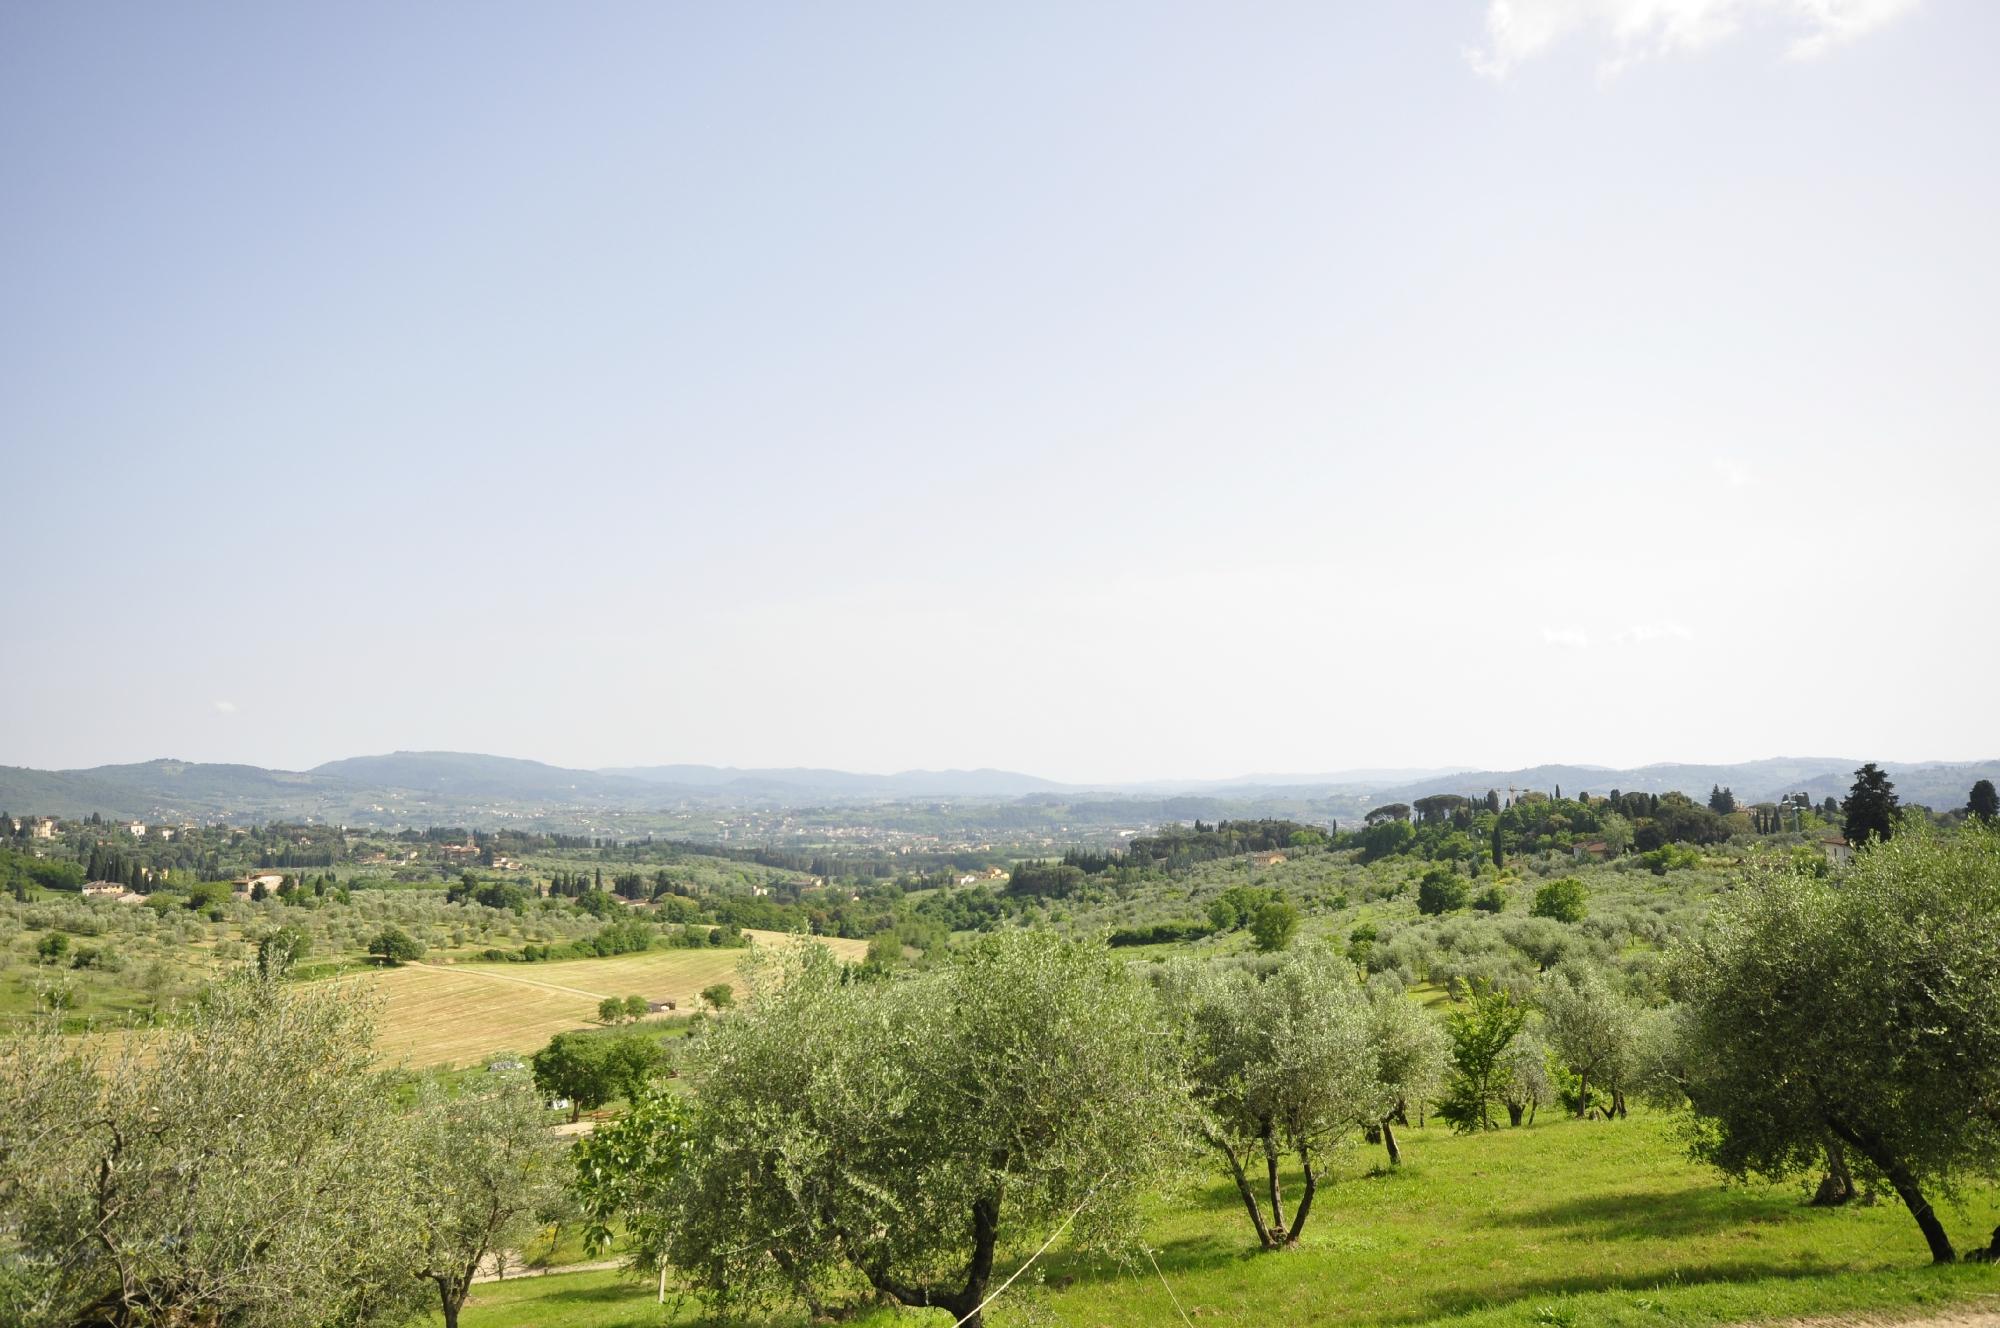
column 984, row 782
column 473, row 788
column 1938, row 784
column 475, row 775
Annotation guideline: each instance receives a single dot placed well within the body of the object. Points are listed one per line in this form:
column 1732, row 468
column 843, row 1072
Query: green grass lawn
column 1564, row 1224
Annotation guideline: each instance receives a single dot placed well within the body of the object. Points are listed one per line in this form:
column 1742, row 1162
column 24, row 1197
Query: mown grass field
column 456, row 1014
column 1562, row 1225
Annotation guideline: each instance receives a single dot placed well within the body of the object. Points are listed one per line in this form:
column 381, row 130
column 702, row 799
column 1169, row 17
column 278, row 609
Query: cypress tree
column 1871, row 806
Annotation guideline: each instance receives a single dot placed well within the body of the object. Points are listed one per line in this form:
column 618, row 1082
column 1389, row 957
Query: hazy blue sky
column 1103, row 390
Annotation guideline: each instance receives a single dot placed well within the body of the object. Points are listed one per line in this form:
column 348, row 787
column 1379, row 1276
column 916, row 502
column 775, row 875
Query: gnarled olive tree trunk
column 1873, row 1147
column 962, row 1302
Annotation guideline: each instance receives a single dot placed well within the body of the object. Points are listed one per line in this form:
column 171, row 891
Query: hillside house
column 1838, row 851
column 1270, row 859
column 269, row 880
column 102, row 889
column 42, row 827
column 136, row 829
column 1596, row 851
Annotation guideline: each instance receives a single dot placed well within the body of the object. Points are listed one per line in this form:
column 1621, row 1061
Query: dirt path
column 600, row 1266
column 1981, row 1313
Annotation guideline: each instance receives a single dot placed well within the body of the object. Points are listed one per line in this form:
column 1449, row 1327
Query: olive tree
column 1282, row 1065
column 1866, row 1011
column 903, row 1131
column 482, row 1166
column 1411, row 1053
column 1526, row 1086
column 235, row 1164
column 1590, row 1029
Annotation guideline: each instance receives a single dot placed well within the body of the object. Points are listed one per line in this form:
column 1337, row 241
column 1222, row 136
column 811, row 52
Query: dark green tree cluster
column 1871, row 808
column 1045, row 880
column 1442, row 890
column 491, row 894
column 587, row 1070
column 1177, row 848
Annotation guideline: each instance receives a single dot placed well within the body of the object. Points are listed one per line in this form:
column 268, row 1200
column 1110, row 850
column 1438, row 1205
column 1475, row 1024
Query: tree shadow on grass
column 1675, row 1216
column 557, row 1290
column 1470, row 1301
column 1188, row 1254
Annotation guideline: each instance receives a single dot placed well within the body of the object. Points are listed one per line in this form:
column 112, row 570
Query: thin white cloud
column 1638, row 634
column 225, row 707
column 1734, row 473
column 1646, row 633
column 1634, row 30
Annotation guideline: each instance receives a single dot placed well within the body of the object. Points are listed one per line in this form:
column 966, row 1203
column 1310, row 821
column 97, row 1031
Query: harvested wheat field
column 456, row 1014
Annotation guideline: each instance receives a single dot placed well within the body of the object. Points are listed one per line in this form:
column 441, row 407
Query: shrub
column 1159, row 933
column 1274, row 926
column 1671, row 857
column 393, row 946
column 1441, row 891
column 1562, row 900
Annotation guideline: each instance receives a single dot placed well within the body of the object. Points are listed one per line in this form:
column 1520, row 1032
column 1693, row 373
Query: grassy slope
column 1562, row 1224
column 456, row 1014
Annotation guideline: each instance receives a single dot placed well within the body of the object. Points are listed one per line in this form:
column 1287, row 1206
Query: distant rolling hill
column 842, row 783
column 1937, row 784
column 148, row 788
column 421, row 788
column 471, row 775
